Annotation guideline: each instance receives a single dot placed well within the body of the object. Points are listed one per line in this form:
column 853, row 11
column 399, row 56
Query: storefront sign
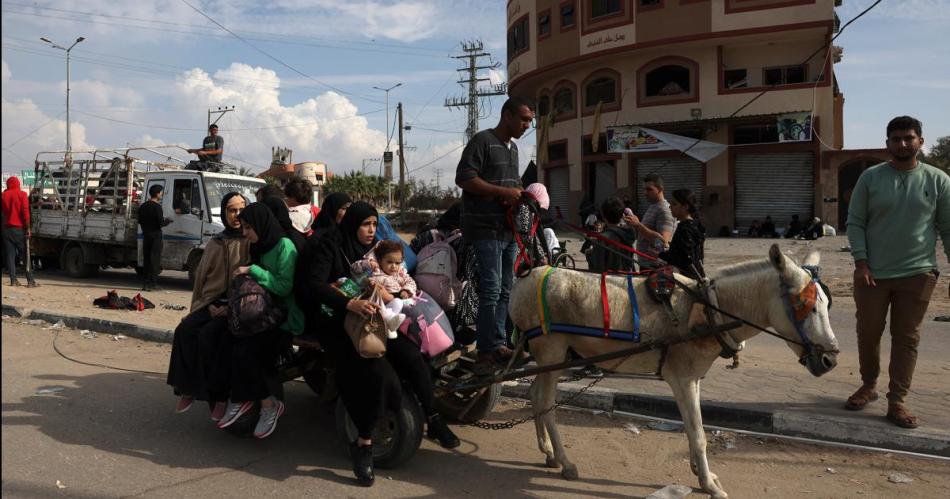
column 794, row 127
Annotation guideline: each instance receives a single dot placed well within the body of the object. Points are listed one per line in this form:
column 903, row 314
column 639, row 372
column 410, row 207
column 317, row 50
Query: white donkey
column 775, row 294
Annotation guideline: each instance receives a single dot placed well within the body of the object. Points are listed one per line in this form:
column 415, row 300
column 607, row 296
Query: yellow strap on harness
column 543, row 301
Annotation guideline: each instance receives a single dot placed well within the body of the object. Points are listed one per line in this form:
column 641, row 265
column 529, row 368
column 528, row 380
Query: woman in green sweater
column 273, row 262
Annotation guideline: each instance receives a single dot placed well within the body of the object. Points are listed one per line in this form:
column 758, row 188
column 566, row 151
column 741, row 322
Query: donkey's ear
column 776, row 258
column 813, row 259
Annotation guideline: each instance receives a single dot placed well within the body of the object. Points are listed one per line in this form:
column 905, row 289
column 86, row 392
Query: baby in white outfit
column 388, row 273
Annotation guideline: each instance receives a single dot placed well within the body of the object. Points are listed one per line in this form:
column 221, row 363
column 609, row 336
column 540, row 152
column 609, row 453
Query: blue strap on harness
column 633, row 308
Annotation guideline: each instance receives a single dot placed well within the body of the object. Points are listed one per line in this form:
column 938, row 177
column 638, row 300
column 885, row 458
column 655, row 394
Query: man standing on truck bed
column 152, row 219
column 212, row 148
column 16, row 229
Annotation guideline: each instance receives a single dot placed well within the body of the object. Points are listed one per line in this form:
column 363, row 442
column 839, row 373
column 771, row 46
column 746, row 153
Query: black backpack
column 253, row 309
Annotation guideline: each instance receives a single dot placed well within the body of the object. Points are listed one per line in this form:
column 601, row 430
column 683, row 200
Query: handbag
column 368, row 333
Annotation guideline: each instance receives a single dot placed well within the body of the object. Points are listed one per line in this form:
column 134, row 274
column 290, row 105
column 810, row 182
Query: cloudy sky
column 303, row 76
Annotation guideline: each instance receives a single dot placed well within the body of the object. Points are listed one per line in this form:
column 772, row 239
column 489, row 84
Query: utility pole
column 387, row 155
column 221, row 111
column 473, row 51
column 438, row 178
column 402, row 169
column 69, row 142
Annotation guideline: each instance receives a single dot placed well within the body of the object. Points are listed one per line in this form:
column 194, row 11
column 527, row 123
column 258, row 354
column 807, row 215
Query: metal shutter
column 778, row 185
column 678, row 173
column 605, row 180
column 557, row 180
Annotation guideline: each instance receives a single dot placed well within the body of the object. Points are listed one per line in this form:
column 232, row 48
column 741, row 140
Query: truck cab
column 192, row 202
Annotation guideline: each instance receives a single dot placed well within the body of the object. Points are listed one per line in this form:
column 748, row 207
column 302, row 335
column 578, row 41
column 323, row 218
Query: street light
column 387, row 110
column 69, row 144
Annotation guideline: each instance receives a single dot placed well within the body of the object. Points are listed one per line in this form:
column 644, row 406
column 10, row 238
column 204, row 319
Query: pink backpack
column 436, row 271
column 427, row 325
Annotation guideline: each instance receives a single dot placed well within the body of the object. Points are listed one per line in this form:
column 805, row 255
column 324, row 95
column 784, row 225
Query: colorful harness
column 606, row 332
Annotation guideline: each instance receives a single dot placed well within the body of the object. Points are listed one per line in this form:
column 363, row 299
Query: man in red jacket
column 16, row 228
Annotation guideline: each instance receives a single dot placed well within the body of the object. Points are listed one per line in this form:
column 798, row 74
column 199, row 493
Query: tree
column 939, row 154
column 360, row 187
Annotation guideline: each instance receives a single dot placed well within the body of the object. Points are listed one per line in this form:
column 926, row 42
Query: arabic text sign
column 633, row 139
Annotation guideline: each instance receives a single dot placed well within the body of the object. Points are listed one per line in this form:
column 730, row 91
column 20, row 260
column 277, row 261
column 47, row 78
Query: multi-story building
column 694, row 68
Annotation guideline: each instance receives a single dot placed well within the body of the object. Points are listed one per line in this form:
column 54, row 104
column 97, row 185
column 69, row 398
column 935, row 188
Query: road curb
column 815, row 426
column 93, row 324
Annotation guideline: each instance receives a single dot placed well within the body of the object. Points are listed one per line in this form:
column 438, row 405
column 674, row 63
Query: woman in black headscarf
column 367, row 386
column 331, row 213
column 273, row 265
column 282, row 214
column 202, row 338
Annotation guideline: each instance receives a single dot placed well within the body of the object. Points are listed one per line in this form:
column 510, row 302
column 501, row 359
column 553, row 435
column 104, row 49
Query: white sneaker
column 394, row 322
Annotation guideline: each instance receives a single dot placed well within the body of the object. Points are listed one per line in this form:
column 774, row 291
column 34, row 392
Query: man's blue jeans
column 496, row 262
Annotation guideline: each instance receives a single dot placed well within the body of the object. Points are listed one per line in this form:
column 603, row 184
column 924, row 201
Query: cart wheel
column 452, row 404
column 396, row 437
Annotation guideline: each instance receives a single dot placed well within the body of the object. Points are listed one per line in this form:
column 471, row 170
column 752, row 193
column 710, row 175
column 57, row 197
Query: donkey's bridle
column 800, row 297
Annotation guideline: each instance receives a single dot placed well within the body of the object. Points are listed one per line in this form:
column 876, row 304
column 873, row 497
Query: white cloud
column 323, row 128
column 497, row 76
column 5, row 72
column 32, row 131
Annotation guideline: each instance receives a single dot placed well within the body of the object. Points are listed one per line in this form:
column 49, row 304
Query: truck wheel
column 396, row 437
column 74, row 263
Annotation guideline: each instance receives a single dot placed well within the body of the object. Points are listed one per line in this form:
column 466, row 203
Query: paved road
column 108, row 433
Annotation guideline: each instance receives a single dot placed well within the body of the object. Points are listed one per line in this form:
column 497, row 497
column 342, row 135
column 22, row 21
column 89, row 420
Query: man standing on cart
column 488, row 177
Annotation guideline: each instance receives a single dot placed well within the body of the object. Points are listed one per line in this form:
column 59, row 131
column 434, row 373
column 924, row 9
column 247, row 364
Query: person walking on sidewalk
column 152, row 219
column 16, row 230
column 488, row 177
column 896, row 211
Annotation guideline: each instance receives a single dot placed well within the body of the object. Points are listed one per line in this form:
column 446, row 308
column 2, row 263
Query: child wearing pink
column 388, row 274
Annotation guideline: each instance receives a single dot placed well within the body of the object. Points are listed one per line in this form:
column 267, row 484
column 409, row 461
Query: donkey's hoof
column 551, row 462
column 569, row 472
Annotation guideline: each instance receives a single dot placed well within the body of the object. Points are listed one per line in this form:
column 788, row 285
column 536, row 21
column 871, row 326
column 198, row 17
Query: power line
column 162, row 127
column 31, row 132
column 213, row 35
column 473, row 51
column 172, row 23
column 436, row 159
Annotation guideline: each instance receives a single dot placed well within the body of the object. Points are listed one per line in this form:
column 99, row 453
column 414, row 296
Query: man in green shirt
column 897, row 210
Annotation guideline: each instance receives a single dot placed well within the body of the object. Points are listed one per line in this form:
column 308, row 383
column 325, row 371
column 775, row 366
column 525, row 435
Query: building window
column 755, row 134
column 735, row 78
column 564, row 103
column 602, row 89
column 603, row 8
column 544, row 24
column 518, row 37
column 668, row 80
column 544, row 105
column 567, row 15
column 557, row 152
column 785, row 75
